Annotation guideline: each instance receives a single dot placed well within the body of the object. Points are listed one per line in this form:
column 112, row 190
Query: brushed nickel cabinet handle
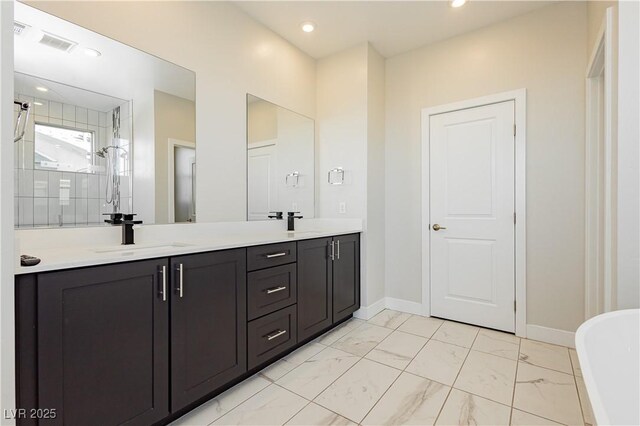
column 163, row 291
column 276, row 334
column 271, row 256
column 338, row 250
column 332, row 255
column 275, row 289
column 180, row 288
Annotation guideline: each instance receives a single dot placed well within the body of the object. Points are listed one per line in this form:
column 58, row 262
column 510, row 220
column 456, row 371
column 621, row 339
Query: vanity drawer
column 261, row 257
column 270, row 289
column 271, row 335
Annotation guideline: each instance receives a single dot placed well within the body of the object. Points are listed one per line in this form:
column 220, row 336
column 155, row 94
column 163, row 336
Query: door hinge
column 514, row 130
column 514, row 218
column 514, row 306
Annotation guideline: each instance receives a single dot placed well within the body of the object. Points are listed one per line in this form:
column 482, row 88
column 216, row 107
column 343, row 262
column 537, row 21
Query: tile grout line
column 575, row 382
column 515, row 380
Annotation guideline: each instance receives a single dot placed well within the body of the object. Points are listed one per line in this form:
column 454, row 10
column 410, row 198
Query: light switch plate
column 342, row 207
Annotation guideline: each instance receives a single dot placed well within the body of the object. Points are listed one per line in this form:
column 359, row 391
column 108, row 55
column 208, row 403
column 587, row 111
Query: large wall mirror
column 280, row 161
column 100, row 127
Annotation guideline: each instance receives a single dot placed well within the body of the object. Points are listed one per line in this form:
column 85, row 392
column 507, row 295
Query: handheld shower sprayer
column 112, row 188
column 18, row 133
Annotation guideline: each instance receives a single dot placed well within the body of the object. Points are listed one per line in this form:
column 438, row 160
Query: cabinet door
column 314, row 287
column 103, row 344
column 346, row 276
column 208, row 323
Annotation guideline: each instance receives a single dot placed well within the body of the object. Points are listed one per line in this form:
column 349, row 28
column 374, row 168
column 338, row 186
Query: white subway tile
column 42, row 110
column 40, row 183
column 92, row 118
column 55, row 110
column 94, row 186
column 82, row 185
column 25, row 178
column 69, row 212
column 69, row 112
column 71, row 177
column 40, row 211
column 54, row 184
column 55, row 212
column 26, row 212
column 81, row 115
column 82, row 211
column 93, row 213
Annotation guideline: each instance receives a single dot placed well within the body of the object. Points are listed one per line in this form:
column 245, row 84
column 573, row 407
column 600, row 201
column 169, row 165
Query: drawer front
column 270, row 289
column 271, row 335
column 261, row 257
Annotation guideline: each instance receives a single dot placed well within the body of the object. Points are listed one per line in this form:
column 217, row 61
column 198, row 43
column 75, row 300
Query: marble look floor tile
column 520, row 418
column 223, row 403
column 489, row 376
column 397, row 350
column 438, row 361
column 340, row 331
column 389, row 319
column 291, row 361
column 463, row 408
column 587, row 411
column 411, row 400
column 575, row 362
column 545, row 355
column 497, row 343
column 547, row 393
column 315, row 374
column 421, row 326
column 315, row 415
column 271, row 406
column 356, row 392
column 362, row 339
column 456, row 334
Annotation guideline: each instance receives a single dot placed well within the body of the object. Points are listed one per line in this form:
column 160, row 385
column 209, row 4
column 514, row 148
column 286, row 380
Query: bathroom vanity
column 143, row 341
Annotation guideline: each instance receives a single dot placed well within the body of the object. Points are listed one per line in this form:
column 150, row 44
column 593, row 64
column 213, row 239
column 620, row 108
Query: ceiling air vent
column 19, row 28
column 57, row 43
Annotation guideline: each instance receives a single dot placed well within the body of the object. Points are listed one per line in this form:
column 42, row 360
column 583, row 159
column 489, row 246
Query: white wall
column 544, row 52
column 232, row 55
column 350, row 129
column 7, row 316
column 628, row 245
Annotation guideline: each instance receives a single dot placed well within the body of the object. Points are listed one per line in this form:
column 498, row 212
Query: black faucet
column 290, row 223
column 127, row 222
column 275, row 215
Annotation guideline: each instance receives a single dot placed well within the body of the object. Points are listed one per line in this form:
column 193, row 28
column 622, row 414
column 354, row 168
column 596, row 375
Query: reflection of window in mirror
column 63, row 149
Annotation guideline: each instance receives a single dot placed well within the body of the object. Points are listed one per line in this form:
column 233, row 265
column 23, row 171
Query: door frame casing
column 171, row 144
column 600, row 63
column 520, row 100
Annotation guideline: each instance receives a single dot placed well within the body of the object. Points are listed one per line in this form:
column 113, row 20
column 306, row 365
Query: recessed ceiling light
column 308, row 27
column 457, row 3
column 42, row 89
column 38, row 103
column 91, row 52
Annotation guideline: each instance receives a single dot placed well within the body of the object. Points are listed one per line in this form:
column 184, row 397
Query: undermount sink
column 134, row 248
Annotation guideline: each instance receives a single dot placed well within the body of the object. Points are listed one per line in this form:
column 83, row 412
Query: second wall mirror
column 280, row 161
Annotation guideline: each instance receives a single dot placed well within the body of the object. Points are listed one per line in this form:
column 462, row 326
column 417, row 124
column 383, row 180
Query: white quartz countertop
column 79, row 247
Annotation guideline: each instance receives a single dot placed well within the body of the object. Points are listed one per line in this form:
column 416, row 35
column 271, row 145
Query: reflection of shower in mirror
column 22, row 118
column 112, row 188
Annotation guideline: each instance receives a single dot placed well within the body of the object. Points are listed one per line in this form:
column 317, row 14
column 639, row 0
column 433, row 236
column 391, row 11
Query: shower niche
column 100, row 128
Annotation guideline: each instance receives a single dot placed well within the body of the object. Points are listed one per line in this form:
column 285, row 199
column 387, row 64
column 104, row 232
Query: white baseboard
column 368, row 312
column 403, row 306
column 551, row 335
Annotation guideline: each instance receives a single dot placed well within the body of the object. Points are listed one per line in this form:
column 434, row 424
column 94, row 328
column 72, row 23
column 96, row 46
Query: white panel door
column 472, row 201
column 261, row 181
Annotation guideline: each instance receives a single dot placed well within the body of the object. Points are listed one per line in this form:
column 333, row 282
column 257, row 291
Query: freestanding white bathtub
column 609, row 354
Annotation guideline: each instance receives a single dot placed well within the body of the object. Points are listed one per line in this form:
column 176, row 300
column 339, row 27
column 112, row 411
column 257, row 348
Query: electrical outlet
column 294, row 207
column 342, row 207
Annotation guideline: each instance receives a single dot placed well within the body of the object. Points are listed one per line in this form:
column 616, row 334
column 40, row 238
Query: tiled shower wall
column 51, row 198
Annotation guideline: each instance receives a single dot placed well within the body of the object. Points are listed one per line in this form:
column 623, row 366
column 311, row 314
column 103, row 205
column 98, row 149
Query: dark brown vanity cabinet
column 102, row 344
column 346, row 276
column 208, row 323
column 328, row 282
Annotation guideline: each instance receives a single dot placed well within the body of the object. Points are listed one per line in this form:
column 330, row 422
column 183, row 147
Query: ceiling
column 392, row 27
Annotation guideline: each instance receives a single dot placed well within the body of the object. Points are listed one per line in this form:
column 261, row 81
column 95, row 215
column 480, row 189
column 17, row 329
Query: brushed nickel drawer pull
column 275, row 289
column 271, row 256
column 180, row 280
column 276, row 334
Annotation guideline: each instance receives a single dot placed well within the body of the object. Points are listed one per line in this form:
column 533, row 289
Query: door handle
column 163, row 290
column 180, row 280
column 437, row 227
